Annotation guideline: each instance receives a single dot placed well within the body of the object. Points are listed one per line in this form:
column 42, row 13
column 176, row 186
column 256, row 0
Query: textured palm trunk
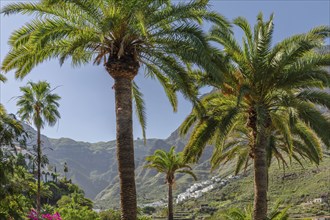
column 125, row 147
column 123, row 72
column 38, row 169
column 170, row 202
column 260, row 177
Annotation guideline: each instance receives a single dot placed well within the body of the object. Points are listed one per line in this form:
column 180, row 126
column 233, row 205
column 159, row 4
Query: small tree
column 38, row 105
column 169, row 163
column 66, row 170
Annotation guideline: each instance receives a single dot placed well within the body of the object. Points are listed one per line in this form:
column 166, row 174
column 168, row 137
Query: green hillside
column 295, row 187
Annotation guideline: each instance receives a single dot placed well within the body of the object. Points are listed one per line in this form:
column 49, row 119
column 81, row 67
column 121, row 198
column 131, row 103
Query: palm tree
column 122, row 35
column 38, row 105
column 11, row 131
column 270, row 98
column 169, row 163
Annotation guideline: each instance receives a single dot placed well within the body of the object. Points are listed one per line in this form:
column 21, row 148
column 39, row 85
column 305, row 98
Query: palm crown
column 107, row 31
column 278, row 86
column 169, row 163
column 38, row 104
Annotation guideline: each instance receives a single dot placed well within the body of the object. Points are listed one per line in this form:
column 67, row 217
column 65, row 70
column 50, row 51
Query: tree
column 16, row 188
column 270, row 100
column 122, row 35
column 11, row 131
column 169, row 163
column 14, row 179
column 76, row 206
column 65, row 169
column 38, row 104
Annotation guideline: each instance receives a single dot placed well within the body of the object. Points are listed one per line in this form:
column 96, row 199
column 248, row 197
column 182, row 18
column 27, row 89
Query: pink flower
column 33, row 216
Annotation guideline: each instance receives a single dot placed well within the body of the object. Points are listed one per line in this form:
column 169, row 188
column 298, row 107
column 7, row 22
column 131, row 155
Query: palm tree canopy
column 279, row 87
column 11, row 131
column 38, row 105
column 169, row 163
column 158, row 35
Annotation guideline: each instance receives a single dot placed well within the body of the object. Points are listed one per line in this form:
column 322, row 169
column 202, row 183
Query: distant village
column 197, row 190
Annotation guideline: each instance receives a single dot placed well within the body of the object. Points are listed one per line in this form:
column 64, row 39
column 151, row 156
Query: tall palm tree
column 122, row 35
column 169, row 163
column 38, row 105
column 270, row 98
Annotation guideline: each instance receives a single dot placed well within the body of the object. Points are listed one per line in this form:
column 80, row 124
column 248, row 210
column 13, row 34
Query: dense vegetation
column 268, row 102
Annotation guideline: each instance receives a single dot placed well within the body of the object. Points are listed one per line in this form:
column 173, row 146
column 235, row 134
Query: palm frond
column 140, row 108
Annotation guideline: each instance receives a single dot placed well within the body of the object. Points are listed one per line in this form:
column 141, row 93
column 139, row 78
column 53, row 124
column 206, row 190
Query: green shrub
column 77, row 213
column 148, row 210
column 110, row 215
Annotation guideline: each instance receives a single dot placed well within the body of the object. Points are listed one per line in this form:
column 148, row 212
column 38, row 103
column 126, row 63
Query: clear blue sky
column 87, row 105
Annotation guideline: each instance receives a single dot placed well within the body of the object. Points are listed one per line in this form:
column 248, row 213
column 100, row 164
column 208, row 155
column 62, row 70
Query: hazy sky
column 87, row 105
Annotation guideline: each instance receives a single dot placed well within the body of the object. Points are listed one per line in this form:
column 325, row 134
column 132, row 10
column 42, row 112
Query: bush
column 78, row 213
column 148, row 210
column 77, row 207
column 110, row 215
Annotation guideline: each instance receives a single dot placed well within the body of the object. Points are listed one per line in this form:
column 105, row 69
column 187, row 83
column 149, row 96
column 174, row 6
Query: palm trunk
column 38, row 169
column 260, row 177
column 125, row 147
column 170, row 202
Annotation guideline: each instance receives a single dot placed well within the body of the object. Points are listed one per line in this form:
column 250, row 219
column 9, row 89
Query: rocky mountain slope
column 93, row 166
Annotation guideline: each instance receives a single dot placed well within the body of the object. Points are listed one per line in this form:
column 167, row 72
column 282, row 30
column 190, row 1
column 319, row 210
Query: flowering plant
column 55, row 216
column 34, row 216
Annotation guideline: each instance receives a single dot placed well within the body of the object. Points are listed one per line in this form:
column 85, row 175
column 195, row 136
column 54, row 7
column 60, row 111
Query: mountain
column 93, row 166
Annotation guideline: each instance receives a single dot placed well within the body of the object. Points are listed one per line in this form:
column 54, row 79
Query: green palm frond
column 281, row 123
column 140, row 109
column 316, row 120
column 199, row 138
column 2, row 78
column 312, row 146
column 316, row 97
column 187, row 123
column 169, row 89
